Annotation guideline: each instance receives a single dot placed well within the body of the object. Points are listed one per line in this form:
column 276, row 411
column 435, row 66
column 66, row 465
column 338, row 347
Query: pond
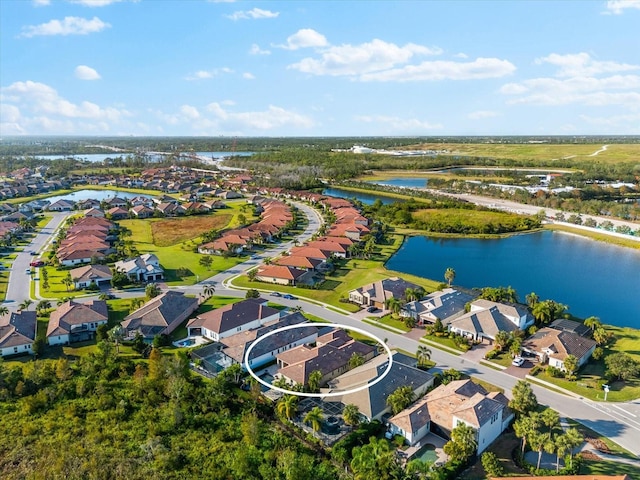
column 592, row 278
column 366, row 198
column 405, row 182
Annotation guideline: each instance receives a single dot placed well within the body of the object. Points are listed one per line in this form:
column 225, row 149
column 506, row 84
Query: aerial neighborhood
column 236, row 296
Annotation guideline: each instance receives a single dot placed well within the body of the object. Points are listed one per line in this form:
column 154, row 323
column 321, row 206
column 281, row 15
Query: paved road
column 618, row 421
column 18, row 288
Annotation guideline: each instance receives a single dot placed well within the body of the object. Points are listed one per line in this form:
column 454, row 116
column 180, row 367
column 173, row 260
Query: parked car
column 372, row 309
column 275, row 294
column 28, row 271
column 33, row 253
column 288, row 296
column 37, row 263
column 518, row 362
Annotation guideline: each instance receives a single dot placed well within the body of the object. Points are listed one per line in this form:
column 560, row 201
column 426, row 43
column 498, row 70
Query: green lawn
column 349, row 275
column 444, row 341
column 590, row 377
column 601, row 237
column 390, row 321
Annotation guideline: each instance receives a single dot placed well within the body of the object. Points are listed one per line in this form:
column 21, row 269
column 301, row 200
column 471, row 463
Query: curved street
column 618, row 421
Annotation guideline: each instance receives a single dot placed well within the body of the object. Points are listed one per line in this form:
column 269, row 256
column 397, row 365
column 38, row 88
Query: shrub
column 555, row 372
column 491, row 354
column 598, row 353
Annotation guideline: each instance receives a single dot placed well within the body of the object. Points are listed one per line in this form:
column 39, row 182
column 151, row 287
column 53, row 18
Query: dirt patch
column 172, row 231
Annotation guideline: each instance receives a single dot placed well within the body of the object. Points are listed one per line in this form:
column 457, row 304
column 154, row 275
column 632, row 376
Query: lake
column 154, row 157
column 404, row 182
column 366, row 198
column 592, row 278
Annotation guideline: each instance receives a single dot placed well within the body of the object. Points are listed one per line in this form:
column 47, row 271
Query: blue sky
column 319, row 68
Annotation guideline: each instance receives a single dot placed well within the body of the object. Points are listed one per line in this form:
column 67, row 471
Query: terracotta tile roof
column 91, row 272
column 298, row 261
column 278, row 271
column 559, row 344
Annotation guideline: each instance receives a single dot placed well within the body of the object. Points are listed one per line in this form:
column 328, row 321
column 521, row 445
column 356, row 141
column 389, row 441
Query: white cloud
column 399, row 124
column 190, row 112
column 581, row 64
column 86, row 73
column 353, row 60
column 630, row 120
column 304, row 38
column 204, row 74
column 68, row 26
column 95, row 3
column 248, row 76
column 461, row 55
column 256, row 50
column 480, row 114
column 617, row 7
column 43, row 110
column 253, row 14
column 480, row 68
column 41, row 3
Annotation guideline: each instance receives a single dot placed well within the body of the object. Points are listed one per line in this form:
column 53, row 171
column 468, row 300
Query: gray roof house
column 486, row 318
column 83, row 276
column 17, row 333
column 444, row 305
column 377, row 293
column 162, row 314
column 144, row 268
column 372, row 401
column 554, row 346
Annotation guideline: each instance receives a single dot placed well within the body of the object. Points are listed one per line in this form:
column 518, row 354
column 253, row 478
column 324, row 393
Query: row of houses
column 88, row 238
column 275, row 217
column 301, row 263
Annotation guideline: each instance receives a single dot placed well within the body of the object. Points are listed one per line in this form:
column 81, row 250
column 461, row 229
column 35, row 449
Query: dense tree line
column 103, row 416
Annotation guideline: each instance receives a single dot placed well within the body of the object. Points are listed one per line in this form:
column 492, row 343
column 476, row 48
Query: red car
column 38, row 263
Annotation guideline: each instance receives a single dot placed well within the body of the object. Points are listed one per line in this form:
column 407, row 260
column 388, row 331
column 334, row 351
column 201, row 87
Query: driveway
column 478, row 352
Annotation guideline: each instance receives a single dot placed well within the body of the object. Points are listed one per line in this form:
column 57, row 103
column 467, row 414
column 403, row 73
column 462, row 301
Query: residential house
column 94, row 212
column 143, row 268
column 61, row 206
column 160, row 315
column 279, row 274
column 333, row 248
column 265, row 351
column 330, row 356
column 77, row 256
column 554, row 346
column 141, row 211
column 17, row 333
column 460, row 401
column 76, row 322
column 84, row 276
column 571, row 326
column 116, row 202
column 486, row 318
column 299, row 262
column 118, row 213
column 377, row 293
column 444, row 305
column 233, row 318
column 372, row 401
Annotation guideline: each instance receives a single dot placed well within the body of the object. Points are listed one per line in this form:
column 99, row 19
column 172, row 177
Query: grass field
column 349, row 276
column 600, row 237
column 166, row 232
column 451, row 219
column 544, row 152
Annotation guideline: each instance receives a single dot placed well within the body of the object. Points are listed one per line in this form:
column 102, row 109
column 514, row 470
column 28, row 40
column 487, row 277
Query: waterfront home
column 486, row 318
column 377, row 293
column 61, row 206
column 143, row 268
column 233, row 318
column 76, row 322
column 444, row 305
column 330, row 355
column 83, row 276
column 160, row 315
column 554, row 346
column 372, row 401
column 460, row 401
column 141, row 211
column 17, row 333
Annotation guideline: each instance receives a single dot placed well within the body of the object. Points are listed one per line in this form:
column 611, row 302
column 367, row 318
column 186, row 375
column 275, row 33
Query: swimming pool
column 427, row 453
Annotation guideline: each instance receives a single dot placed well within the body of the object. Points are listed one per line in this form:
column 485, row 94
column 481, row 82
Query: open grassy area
column 480, row 221
column 166, row 232
column 600, row 237
column 590, row 381
column 540, row 152
column 390, row 321
column 350, row 275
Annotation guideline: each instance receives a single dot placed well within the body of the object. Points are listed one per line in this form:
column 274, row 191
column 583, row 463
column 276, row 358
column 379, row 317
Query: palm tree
column 3, row 310
column 314, row 381
column 25, row 304
column 67, row 281
column 287, row 406
column 208, row 290
column 449, row 275
column 410, row 294
column 532, row 299
column 314, row 417
column 423, row 353
column 400, row 399
column 43, row 305
column 394, row 305
column 593, row 323
column 356, row 360
column 116, row 334
column 351, row 414
column 573, row 439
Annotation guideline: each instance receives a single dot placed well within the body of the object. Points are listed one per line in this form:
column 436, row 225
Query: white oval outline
column 318, row 395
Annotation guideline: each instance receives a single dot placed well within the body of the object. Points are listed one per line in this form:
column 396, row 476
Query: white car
column 518, row 361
